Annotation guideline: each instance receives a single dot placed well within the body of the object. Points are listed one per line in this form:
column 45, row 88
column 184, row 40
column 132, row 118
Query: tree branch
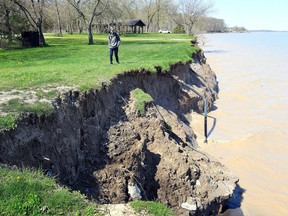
column 77, row 8
column 27, row 13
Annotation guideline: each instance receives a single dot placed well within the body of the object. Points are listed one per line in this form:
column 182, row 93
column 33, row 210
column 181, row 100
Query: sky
column 253, row 14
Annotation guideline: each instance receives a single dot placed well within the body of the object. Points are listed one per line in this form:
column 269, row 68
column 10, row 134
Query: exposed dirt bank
column 97, row 143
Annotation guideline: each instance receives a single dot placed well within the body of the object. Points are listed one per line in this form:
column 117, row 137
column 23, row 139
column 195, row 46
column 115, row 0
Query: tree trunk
column 69, row 24
column 189, row 30
column 148, row 24
column 90, row 35
column 41, row 36
column 158, row 15
column 8, row 26
column 58, row 18
column 79, row 26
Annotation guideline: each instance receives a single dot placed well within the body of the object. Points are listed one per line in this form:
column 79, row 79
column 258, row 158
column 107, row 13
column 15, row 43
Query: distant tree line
column 210, row 25
column 83, row 16
column 236, row 29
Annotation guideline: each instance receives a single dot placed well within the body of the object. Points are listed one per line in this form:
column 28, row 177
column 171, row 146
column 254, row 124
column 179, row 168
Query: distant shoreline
column 247, row 31
column 267, row 31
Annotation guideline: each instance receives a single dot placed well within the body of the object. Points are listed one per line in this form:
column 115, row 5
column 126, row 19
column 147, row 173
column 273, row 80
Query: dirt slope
column 96, row 142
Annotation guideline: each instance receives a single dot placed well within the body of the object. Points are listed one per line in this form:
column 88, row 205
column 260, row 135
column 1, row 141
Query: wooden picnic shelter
column 134, row 26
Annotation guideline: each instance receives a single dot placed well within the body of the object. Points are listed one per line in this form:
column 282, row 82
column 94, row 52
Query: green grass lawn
column 29, row 192
column 152, row 208
column 70, row 61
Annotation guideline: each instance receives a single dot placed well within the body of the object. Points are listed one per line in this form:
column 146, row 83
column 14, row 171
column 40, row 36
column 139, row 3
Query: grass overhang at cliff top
column 70, row 61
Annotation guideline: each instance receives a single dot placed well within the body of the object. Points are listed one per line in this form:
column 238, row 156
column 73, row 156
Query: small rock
column 190, row 207
column 49, row 173
column 134, row 191
column 44, row 209
column 137, row 136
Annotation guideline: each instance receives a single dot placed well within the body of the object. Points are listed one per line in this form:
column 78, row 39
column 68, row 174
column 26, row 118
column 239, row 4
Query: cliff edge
column 98, row 143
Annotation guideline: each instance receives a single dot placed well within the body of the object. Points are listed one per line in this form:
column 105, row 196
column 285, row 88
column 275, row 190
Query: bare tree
column 192, row 10
column 128, row 8
column 120, row 10
column 69, row 17
column 158, row 5
column 12, row 22
column 150, row 9
column 5, row 22
column 88, row 10
column 172, row 11
column 58, row 17
column 34, row 12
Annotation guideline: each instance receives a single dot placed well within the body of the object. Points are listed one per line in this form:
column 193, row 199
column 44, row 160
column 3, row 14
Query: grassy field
column 29, row 192
column 69, row 61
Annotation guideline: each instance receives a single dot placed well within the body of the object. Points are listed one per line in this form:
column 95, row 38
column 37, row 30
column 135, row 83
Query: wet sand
column 248, row 133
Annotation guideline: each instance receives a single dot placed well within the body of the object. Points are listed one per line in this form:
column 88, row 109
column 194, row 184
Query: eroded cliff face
column 98, row 143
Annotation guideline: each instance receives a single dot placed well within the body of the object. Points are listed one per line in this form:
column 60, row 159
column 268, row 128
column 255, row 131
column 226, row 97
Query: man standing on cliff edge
column 113, row 44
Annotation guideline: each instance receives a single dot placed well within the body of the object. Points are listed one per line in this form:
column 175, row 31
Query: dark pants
column 115, row 50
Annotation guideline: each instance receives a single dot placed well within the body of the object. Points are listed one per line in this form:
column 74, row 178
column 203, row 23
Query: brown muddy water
column 248, row 127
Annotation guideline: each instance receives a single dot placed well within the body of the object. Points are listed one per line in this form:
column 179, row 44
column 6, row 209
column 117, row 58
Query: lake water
column 251, row 115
